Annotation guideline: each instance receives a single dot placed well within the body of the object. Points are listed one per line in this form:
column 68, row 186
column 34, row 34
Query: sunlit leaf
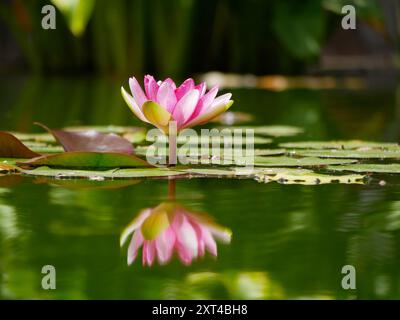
column 350, row 154
column 308, row 178
column 343, row 144
column 76, row 12
column 98, row 175
column 297, row 162
column 368, row 168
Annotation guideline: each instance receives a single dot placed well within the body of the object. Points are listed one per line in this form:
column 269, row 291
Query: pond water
column 288, row 241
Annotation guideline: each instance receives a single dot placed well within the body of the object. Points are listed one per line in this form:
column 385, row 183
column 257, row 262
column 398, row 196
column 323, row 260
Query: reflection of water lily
column 169, row 227
column 162, row 102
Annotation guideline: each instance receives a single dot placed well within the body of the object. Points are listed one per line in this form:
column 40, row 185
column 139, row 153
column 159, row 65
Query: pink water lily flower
column 163, row 101
column 170, row 228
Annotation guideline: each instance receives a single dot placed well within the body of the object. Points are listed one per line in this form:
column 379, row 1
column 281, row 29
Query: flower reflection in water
column 170, row 228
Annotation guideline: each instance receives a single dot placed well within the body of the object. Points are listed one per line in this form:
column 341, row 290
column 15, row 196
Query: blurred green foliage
column 177, row 37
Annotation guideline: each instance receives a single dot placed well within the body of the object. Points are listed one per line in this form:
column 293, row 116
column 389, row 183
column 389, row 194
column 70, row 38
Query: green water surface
column 288, row 241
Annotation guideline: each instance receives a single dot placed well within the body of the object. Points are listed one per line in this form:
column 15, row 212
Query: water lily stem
column 172, row 134
column 171, row 189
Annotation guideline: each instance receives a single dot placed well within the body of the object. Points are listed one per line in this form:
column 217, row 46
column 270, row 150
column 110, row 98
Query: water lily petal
column 186, row 106
column 151, row 87
column 148, row 252
column 224, row 99
column 184, row 88
column 186, row 242
column 136, row 242
column 137, row 91
column 166, row 96
column 130, row 101
column 170, row 82
column 210, row 114
column 202, row 88
column 157, row 115
column 220, row 233
column 164, row 245
column 204, row 103
column 135, row 224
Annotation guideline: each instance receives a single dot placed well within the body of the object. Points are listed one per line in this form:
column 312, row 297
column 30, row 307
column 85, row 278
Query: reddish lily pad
column 90, row 141
column 87, row 160
column 11, row 147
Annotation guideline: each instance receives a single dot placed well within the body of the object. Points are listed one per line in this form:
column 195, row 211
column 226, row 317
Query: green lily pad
column 350, row 144
column 297, row 162
column 100, row 175
column 368, row 168
column 209, row 139
column 107, row 129
column 230, row 172
column 308, row 178
column 142, row 150
column 273, row 130
column 350, row 154
column 7, row 168
column 87, row 160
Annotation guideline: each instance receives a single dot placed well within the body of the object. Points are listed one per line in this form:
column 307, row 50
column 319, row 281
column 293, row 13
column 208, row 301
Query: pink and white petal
column 136, row 242
column 148, row 252
column 186, row 236
column 202, row 88
column 137, row 92
column 209, row 241
column 208, row 115
column 135, row 224
column 184, row 88
column 204, row 103
column 165, row 243
column 130, row 101
column 222, row 99
column 185, row 107
column 170, row 82
column 166, row 97
column 151, row 87
column 222, row 234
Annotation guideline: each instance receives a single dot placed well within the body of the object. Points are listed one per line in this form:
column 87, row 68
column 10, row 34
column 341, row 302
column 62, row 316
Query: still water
column 288, row 241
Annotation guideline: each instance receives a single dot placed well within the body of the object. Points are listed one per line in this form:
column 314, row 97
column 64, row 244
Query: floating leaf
column 350, row 144
column 351, row 154
column 196, row 152
column 308, row 178
column 98, row 174
column 90, row 141
column 87, row 160
column 273, row 131
column 107, row 129
column 214, row 172
column 208, row 139
column 11, row 147
column 6, row 168
column 368, row 168
column 297, row 162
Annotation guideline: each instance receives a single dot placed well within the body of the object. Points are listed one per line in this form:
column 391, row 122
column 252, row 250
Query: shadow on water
column 288, row 241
